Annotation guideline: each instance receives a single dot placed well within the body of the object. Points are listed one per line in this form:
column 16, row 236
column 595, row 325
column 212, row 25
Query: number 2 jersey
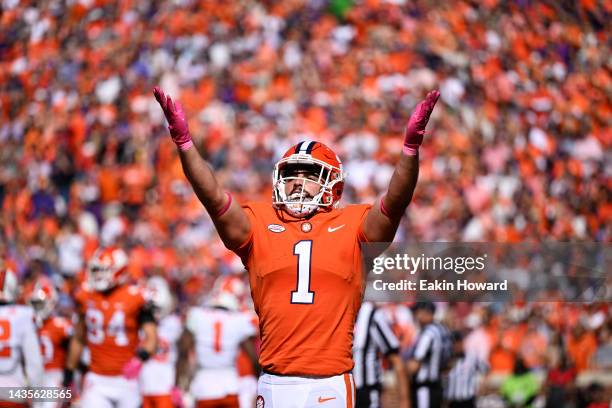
column 306, row 281
column 19, row 343
column 112, row 321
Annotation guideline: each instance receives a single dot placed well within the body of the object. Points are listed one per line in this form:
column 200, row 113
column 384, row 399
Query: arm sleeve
column 383, row 335
column 146, row 314
column 361, row 216
column 422, row 346
column 32, row 355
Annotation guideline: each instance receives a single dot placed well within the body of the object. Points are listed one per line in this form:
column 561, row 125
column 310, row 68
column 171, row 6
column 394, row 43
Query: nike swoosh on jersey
column 330, row 229
column 322, row 400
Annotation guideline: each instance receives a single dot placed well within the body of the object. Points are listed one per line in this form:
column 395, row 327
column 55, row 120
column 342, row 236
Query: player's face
column 302, row 184
column 424, row 317
column 458, row 346
column 100, row 278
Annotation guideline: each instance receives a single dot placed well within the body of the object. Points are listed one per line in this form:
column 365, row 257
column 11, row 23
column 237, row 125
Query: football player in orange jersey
column 54, row 333
column 303, row 255
column 110, row 314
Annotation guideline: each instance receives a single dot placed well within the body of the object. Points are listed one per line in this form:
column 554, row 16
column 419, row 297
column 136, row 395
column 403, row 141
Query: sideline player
column 158, row 374
column 216, row 333
column 303, row 255
column 110, row 313
column 54, row 333
column 18, row 340
column 246, row 361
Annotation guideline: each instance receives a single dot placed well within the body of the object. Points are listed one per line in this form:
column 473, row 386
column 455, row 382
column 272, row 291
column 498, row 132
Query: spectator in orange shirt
column 581, row 345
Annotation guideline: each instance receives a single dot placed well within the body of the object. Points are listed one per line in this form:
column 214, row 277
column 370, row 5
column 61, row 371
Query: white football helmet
column 227, row 292
column 225, row 300
column 107, row 269
column 9, row 285
column 43, row 299
column 160, row 296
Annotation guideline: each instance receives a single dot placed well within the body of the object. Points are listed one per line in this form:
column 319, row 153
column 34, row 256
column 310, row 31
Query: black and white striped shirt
column 432, row 349
column 463, row 378
column 373, row 335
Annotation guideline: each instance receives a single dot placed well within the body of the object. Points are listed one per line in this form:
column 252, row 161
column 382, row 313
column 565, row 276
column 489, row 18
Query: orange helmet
column 323, row 168
column 107, row 268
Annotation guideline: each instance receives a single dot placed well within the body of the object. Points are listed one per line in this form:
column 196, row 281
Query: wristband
column 185, row 145
column 68, row 377
column 143, row 355
column 226, row 206
column 411, row 150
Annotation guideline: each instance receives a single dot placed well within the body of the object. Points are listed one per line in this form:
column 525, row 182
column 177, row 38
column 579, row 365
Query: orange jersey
column 244, row 365
column 54, row 336
column 112, row 326
column 306, row 282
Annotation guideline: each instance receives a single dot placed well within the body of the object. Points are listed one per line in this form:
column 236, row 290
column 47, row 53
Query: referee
column 374, row 337
column 460, row 390
column 429, row 357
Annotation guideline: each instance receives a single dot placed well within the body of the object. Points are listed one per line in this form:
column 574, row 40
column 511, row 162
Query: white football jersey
column 157, row 374
column 218, row 334
column 19, row 342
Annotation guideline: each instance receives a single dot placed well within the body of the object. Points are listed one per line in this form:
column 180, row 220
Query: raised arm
column 229, row 218
column 185, row 345
column 382, row 221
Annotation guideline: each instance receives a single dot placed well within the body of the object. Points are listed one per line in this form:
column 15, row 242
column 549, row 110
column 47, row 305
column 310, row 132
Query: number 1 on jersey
column 303, row 295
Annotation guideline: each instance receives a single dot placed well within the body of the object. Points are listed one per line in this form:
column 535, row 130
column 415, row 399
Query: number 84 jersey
column 112, row 322
column 306, row 282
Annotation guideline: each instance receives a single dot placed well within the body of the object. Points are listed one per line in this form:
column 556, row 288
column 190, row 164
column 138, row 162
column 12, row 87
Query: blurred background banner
column 489, row 272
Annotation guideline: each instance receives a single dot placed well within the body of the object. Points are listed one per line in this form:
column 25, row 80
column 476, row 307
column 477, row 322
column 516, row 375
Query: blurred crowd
column 515, row 152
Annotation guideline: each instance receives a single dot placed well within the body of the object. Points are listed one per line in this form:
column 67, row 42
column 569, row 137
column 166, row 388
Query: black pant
column 426, row 395
column 471, row 403
column 368, row 397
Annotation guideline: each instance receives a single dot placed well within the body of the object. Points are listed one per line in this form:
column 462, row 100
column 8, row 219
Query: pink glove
column 132, row 368
column 179, row 130
column 415, row 130
column 176, row 396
